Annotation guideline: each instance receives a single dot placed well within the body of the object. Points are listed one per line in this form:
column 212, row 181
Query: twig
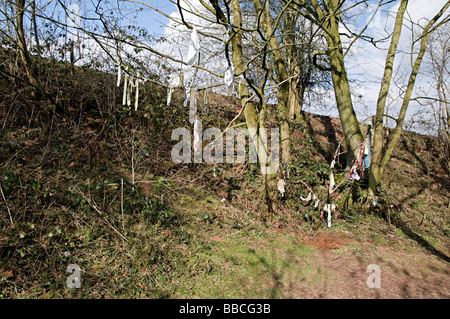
column 7, row 206
column 132, row 160
column 338, row 185
column 121, row 201
column 336, row 258
column 304, row 184
column 92, row 204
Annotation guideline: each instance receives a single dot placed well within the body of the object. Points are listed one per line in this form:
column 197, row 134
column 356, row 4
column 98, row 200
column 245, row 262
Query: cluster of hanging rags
column 191, row 94
column 130, row 83
column 361, row 162
column 322, row 206
column 282, row 182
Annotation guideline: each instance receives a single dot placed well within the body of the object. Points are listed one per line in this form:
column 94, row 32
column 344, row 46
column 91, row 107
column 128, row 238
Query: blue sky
column 365, row 63
column 147, row 18
column 152, row 20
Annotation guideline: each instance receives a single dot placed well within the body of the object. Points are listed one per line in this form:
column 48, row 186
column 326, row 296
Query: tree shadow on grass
column 276, row 271
column 410, row 233
column 421, row 241
column 393, row 217
column 424, row 166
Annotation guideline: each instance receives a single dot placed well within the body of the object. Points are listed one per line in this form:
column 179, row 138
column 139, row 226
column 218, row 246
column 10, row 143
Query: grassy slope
column 182, row 239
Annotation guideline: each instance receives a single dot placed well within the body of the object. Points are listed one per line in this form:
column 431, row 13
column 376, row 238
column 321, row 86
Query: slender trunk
column 293, row 65
column 350, row 124
column 376, row 168
column 395, row 135
column 283, row 83
column 285, row 134
column 35, row 31
column 295, row 106
column 254, row 120
column 22, row 45
column 265, row 163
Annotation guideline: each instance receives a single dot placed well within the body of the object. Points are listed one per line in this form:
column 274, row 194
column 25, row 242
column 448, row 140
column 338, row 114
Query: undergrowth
column 94, row 185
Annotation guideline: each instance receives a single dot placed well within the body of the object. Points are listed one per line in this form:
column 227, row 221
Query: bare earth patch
column 342, row 263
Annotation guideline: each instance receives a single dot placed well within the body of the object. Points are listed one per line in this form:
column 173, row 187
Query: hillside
column 198, row 230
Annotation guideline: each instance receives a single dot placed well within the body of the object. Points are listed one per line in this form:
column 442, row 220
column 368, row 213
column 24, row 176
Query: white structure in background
column 73, row 16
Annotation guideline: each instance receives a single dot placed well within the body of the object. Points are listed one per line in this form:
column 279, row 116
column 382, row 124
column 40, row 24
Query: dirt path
column 342, row 265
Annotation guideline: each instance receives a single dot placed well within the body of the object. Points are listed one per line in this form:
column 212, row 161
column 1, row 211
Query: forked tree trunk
column 376, row 168
column 282, row 78
column 383, row 153
column 254, row 120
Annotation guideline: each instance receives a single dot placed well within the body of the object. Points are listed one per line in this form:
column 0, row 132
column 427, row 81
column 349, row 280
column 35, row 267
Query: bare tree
column 433, row 113
column 327, row 15
column 22, row 44
column 382, row 149
column 439, row 55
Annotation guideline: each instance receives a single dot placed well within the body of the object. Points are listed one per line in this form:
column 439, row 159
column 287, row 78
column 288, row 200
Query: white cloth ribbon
column 328, row 209
column 280, row 185
column 136, row 99
column 187, row 97
column 125, row 90
column 229, row 77
column 194, row 48
column 119, row 75
column 330, row 189
column 130, row 87
column 308, row 198
column 197, row 141
column 169, row 95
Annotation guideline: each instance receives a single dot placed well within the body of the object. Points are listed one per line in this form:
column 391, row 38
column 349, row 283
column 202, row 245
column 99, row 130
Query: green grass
column 245, row 264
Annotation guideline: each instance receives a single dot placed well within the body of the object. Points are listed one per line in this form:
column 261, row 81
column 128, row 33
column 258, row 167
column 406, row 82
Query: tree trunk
column 254, row 120
column 350, row 124
column 295, row 105
column 33, row 20
column 296, row 65
column 282, row 80
column 22, row 45
column 376, row 168
column 384, row 154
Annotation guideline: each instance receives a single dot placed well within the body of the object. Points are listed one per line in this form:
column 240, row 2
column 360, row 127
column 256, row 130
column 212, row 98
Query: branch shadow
column 445, row 182
column 421, row 241
column 411, row 234
column 330, row 134
column 278, row 287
